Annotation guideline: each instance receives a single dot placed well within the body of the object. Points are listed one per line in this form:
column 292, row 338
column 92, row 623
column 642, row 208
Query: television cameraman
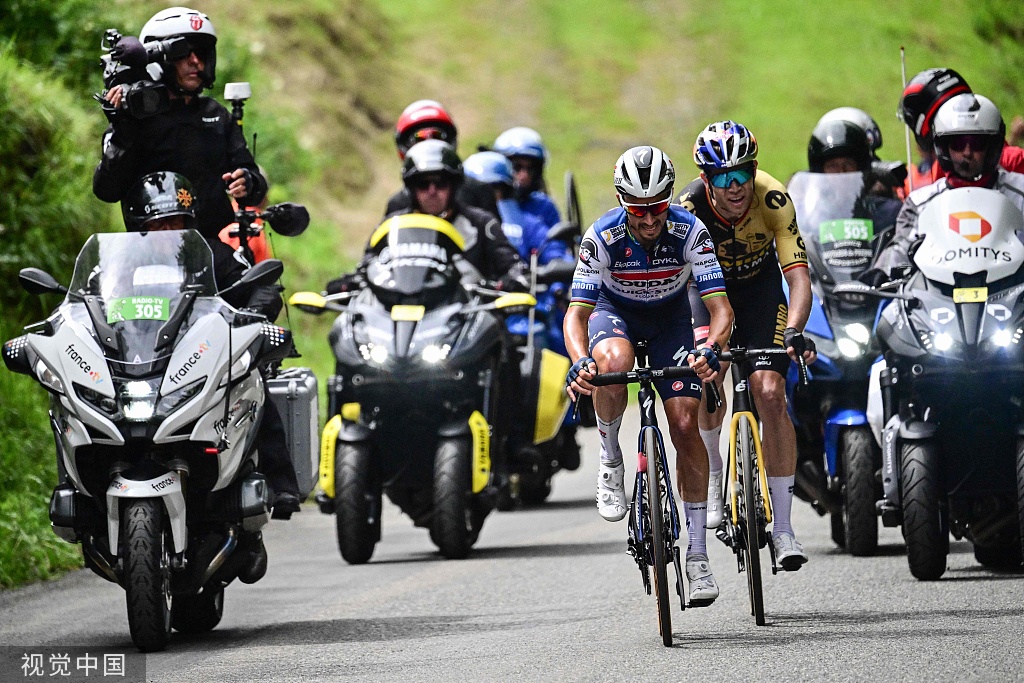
column 160, row 121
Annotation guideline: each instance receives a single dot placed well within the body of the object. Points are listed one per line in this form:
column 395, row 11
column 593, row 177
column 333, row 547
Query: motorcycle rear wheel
column 147, row 573
column 860, row 521
column 452, row 524
column 354, row 498
column 923, row 528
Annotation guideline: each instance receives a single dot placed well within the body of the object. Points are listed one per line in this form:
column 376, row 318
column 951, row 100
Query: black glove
column 349, row 282
column 793, row 338
column 513, row 281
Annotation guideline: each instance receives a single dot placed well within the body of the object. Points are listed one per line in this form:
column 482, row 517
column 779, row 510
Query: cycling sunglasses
column 641, row 210
column 724, row 180
column 958, row 143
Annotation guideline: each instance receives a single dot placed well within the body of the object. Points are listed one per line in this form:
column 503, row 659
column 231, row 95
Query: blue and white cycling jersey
column 613, row 265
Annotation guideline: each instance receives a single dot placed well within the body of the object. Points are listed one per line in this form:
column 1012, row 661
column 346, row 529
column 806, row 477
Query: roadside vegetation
column 331, row 76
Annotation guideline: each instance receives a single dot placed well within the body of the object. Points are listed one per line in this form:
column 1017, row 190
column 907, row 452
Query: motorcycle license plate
column 970, row 295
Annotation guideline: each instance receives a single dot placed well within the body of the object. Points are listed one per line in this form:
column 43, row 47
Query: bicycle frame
column 742, row 405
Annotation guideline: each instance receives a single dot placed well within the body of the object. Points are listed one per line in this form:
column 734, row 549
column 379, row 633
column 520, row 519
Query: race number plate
column 138, row 308
column 970, row 295
column 842, row 229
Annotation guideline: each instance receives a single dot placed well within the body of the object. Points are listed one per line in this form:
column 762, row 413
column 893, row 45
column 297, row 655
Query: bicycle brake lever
column 802, row 367
column 713, row 395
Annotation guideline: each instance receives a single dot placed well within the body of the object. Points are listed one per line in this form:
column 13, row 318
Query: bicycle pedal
column 700, row 603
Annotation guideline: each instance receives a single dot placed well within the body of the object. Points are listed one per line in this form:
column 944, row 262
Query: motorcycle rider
column 924, row 95
column 166, row 201
column 428, row 120
column 888, row 176
column 840, row 146
column 617, row 299
column 525, row 149
column 968, row 134
column 195, row 138
column 753, row 224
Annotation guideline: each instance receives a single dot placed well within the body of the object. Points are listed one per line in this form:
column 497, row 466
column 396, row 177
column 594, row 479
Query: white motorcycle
column 155, row 398
column 946, row 401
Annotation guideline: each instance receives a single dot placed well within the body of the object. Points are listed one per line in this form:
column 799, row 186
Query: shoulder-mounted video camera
column 137, row 68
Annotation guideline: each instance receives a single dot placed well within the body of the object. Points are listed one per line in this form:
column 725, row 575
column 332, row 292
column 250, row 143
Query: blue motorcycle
column 839, row 459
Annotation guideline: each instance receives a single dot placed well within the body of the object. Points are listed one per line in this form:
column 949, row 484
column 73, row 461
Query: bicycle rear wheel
column 748, row 475
column 656, row 517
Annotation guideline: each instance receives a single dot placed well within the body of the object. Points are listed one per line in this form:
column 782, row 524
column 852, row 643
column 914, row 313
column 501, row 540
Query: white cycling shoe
column 703, row 588
column 611, row 493
column 716, row 508
column 789, row 553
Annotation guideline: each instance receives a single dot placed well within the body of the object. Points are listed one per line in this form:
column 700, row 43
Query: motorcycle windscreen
column 413, row 260
column 834, row 213
column 139, row 280
column 969, row 231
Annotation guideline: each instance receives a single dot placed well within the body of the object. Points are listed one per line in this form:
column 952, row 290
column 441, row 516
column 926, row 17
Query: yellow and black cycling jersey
column 749, row 246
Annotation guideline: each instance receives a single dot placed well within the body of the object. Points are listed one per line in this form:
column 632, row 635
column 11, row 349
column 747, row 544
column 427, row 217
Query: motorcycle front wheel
column 356, row 503
column 147, row 573
column 452, row 524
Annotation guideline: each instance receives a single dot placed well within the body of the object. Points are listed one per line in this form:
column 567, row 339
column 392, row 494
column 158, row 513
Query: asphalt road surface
column 550, row 594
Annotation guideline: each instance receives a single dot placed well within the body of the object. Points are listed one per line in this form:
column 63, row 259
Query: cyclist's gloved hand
column 574, row 372
column 710, row 356
column 792, row 338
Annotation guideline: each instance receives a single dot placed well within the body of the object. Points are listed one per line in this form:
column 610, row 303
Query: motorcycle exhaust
column 226, row 549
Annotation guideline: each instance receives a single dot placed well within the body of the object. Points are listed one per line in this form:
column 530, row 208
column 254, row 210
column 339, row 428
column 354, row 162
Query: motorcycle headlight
column 433, row 353
column 97, row 400
column 1002, row 338
column 138, row 400
column 179, row 396
column 849, row 348
column 377, row 353
column 943, row 342
column 48, row 378
column 858, row 332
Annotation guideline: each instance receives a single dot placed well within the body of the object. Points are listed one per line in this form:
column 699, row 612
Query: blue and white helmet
column 521, row 142
column 489, row 167
column 724, row 145
column 644, row 172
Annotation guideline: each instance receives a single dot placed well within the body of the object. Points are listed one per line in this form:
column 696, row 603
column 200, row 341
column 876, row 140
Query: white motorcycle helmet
column 862, row 120
column 969, row 114
column 186, row 23
column 644, row 172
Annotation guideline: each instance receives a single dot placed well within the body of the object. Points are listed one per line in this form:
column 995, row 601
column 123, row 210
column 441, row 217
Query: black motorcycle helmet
column 923, row 96
column 158, row 195
column 430, row 157
column 832, row 139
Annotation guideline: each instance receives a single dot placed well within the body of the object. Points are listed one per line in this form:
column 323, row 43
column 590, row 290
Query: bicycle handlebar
column 635, row 376
column 740, row 354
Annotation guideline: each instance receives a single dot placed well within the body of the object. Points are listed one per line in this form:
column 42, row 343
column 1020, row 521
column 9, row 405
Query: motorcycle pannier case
column 294, row 392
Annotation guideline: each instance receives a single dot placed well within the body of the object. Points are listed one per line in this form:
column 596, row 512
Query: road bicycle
column 748, row 509
column 653, row 518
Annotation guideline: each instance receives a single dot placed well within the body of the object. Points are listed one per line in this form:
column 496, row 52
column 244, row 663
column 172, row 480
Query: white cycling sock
column 712, row 439
column 611, row 452
column 696, row 521
column 781, row 490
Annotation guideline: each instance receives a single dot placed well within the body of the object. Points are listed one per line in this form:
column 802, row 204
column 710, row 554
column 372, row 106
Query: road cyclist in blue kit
column 630, row 285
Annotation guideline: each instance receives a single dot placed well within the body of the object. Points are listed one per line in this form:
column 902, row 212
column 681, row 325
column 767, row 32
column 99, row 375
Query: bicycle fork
column 736, row 486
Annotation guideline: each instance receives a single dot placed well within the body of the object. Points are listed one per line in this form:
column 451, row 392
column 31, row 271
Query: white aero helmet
column 186, row 23
column 969, row 114
column 859, row 118
column 644, row 172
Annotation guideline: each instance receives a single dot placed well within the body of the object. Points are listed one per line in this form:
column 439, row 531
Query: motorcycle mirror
column 558, row 270
column 287, row 219
column 36, row 281
column 263, row 273
column 855, row 293
column 308, row 302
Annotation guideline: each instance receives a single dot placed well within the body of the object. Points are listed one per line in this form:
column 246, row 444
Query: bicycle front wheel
column 656, row 517
column 747, row 463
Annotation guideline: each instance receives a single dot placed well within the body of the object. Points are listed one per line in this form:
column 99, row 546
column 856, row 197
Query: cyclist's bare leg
column 612, row 355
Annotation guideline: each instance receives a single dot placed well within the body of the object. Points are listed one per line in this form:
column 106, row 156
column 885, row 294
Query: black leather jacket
column 198, row 140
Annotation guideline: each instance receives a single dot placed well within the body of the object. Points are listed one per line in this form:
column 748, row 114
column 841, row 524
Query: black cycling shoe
column 285, row 504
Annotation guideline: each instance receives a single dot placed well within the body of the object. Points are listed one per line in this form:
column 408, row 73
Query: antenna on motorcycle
column 906, row 129
column 237, row 94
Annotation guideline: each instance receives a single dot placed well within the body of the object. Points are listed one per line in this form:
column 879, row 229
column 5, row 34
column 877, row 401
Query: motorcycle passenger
column 968, row 140
column 839, row 146
column 753, row 224
column 165, row 201
column 428, row 120
column 525, row 149
column 922, row 98
column 195, row 138
column 618, row 298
